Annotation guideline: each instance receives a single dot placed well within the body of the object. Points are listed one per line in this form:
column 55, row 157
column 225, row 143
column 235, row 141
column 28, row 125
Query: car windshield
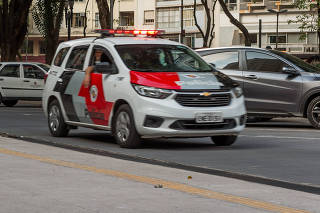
column 44, row 66
column 297, row 61
column 161, row 58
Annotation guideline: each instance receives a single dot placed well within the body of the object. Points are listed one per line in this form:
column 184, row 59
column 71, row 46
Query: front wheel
column 10, row 103
column 313, row 112
column 57, row 126
column 224, row 140
column 124, row 129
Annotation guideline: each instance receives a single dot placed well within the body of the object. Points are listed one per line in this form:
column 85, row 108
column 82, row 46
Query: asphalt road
column 282, row 149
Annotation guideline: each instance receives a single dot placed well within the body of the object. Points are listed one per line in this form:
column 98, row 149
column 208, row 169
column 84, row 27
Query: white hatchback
column 143, row 87
column 21, row 81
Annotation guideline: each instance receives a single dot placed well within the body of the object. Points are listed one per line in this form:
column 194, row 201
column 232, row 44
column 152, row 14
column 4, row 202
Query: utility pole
column 277, row 30
column 181, row 23
column 111, row 13
column 260, row 27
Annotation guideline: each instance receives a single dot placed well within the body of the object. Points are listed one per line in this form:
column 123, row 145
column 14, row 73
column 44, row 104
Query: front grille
column 191, row 124
column 196, row 100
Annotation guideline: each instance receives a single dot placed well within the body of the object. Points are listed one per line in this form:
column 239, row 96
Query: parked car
column 21, row 81
column 141, row 88
column 275, row 84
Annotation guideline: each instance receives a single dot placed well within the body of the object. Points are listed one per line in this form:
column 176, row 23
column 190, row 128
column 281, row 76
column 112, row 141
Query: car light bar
column 110, row 32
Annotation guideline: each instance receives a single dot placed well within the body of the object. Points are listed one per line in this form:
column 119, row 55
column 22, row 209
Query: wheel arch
column 309, row 98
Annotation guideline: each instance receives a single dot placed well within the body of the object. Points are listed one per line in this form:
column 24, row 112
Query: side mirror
column 290, row 71
column 104, row 67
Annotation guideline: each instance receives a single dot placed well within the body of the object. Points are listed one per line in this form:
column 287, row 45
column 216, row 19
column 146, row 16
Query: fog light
column 152, row 121
column 242, row 120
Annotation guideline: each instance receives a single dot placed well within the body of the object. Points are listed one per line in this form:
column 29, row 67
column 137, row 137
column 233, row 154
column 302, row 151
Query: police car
column 143, row 87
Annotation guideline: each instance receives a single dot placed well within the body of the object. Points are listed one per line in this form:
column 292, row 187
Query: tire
column 313, row 112
column 123, row 128
column 56, row 123
column 10, row 103
column 224, row 140
column 0, row 98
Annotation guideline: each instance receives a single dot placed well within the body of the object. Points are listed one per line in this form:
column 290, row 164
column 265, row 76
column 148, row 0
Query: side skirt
column 92, row 126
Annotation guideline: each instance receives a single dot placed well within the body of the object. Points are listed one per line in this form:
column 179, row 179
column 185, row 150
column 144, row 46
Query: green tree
column 308, row 20
column 13, row 27
column 48, row 15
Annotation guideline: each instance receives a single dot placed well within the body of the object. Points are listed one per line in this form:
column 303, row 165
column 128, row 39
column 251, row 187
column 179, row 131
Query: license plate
column 209, row 117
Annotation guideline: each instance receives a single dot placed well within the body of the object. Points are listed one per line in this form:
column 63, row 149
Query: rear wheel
column 313, row 112
column 224, row 140
column 10, row 103
column 124, row 129
column 57, row 126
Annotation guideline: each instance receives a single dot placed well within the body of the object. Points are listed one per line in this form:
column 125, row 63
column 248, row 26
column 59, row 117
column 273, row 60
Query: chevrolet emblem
column 206, row 94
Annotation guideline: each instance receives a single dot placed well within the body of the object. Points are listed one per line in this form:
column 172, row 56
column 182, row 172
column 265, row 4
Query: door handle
column 26, row 81
column 1, row 79
column 253, row 77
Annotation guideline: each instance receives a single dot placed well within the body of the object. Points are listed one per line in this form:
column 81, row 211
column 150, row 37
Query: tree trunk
column 104, row 13
column 13, row 27
column 236, row 23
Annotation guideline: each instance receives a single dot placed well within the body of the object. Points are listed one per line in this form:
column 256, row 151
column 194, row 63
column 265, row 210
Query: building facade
column 128, row 14
column 250, row 11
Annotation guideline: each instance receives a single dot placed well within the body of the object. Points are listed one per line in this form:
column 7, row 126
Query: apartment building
column 250, row 11
column 168, row 18
column 128, row 14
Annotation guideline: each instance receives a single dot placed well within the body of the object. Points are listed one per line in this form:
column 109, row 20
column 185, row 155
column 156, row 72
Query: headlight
column 237, row 92
column 152, row 92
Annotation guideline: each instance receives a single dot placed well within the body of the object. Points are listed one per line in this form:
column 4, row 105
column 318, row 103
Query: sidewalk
column 40, row 178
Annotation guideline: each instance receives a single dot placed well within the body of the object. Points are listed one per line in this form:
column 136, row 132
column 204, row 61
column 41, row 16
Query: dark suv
column 275, row 84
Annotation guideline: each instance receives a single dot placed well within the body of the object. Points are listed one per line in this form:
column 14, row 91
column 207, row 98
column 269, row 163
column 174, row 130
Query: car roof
column 121, row 41
column 230, row 48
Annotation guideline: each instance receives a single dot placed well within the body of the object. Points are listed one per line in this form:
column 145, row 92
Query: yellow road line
column 166, row 184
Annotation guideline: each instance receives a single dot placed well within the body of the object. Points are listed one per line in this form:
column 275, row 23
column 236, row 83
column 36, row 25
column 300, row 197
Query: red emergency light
column 110, row 32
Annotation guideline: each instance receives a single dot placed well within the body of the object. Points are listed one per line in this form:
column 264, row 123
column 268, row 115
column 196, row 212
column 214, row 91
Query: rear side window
column 31, row 71
column 60, row 56
column 10, row 71
column 263, row 62
column 77, row 58
column 224, row 60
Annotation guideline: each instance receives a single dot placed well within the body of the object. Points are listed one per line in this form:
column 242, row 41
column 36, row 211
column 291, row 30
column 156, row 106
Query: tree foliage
column 209, row 8
column 13, row 27
column 104, row 12
column 48, row 15
column 308, row 19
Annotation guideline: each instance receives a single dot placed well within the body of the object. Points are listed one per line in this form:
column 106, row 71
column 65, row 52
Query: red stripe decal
column 164, row 80
column 98, row 108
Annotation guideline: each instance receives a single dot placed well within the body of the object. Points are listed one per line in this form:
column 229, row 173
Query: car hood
column 182, row 80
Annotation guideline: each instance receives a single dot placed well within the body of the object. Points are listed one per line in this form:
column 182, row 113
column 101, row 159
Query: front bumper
column 172, row 113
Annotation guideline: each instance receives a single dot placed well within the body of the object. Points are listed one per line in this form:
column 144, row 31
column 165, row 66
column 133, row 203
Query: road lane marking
column 278, row 137
column 282, row 130
column 166, row 184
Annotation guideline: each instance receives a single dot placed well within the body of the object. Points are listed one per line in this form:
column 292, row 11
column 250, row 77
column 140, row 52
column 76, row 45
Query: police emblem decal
column 93, row 93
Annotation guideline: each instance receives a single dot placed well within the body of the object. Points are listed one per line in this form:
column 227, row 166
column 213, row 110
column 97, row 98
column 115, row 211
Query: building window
column 42, row 47
column 78, row 20
column 78, row 0
column 253, row 38
column 188, row 19
column 281, row 39
column 231, row 4
column 96, row 20
column 26, row 44
column 149, row 17
column 126, row 18
column 168, row 18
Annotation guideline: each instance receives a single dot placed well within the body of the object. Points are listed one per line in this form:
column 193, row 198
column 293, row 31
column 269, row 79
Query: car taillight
column 45, row 77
